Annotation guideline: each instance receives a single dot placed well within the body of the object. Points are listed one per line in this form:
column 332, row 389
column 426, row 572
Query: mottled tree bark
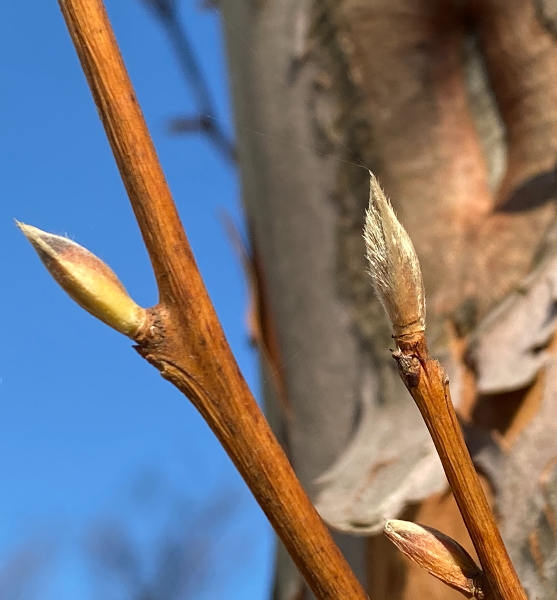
column 453, row 104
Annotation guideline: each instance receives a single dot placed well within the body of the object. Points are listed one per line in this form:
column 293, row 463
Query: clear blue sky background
column 89, row 432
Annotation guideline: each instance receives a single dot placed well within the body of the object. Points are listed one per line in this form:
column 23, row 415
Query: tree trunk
column 453, row 105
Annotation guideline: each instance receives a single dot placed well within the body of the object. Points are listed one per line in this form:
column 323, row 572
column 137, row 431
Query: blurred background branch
column 20, row 573
column 205, row 121
column 179, row 562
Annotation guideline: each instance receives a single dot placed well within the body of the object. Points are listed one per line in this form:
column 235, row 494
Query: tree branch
column 429, row 386
column 183, row 337
column 397, row 280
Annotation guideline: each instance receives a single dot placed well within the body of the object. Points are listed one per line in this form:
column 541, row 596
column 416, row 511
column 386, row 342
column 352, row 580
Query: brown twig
column 429, row 386
column 183, row 338
column 397, row 279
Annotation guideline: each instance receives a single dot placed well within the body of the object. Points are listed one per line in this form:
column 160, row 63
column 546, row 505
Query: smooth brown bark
column 184, row 339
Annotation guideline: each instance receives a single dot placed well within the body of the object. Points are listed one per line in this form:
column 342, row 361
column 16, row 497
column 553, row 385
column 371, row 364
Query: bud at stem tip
column 393, row 265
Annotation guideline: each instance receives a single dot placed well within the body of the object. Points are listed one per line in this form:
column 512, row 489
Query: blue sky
column 90, row 434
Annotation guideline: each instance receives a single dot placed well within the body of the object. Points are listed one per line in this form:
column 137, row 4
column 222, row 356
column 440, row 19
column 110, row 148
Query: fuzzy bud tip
column 393, row 265
column 87, row 280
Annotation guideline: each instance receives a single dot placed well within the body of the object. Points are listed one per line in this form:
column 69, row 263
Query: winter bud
column 87, row 280
column 438, row 554
column 393, row 265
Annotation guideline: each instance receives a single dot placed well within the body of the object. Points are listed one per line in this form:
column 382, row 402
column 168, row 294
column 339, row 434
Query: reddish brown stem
column 184, row 338
column 429, row 386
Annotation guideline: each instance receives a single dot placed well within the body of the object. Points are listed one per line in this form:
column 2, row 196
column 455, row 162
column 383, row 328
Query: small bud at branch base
column 87, row 280
column 438, row 554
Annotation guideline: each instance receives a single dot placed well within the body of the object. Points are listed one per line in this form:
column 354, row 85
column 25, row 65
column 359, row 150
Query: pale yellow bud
column 87, row 280
column 438, row 554
column 393, row 264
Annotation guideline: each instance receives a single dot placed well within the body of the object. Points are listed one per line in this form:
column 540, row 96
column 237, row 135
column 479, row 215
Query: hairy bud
column 393, row 265
column 438, row 554
column 87, row 280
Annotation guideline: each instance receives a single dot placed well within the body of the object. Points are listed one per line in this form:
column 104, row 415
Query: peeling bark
column 453, row 105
